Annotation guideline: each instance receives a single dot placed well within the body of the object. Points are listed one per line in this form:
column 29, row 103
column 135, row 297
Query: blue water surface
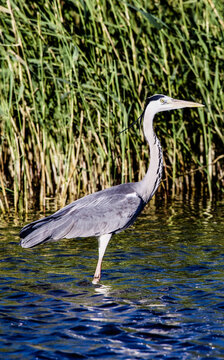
column 161, row 295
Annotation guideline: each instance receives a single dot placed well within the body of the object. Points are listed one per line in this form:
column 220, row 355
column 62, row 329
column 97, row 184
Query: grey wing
column 101, row 213
column 106, row 215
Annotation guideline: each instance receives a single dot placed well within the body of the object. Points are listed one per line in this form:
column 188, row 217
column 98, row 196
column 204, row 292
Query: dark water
column 161, row 294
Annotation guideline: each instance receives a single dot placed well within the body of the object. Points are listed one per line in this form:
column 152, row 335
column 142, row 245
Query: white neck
column 149, row 184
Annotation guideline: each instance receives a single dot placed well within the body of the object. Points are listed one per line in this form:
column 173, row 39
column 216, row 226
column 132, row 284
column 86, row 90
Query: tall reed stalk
column 75, row 73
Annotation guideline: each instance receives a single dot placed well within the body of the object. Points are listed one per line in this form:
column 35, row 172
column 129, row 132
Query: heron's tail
column 51, row 228
column 36, row 232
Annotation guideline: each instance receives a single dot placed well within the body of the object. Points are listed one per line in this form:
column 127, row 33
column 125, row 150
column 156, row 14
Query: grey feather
column 105, row 212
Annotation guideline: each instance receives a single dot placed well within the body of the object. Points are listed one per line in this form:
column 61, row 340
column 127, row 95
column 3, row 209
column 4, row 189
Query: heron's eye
column 162, row 101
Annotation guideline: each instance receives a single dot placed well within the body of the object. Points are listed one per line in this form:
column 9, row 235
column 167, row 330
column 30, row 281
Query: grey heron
column 112, row 210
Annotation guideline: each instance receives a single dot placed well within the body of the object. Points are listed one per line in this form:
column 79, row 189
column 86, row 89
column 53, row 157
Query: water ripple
column 161, row 297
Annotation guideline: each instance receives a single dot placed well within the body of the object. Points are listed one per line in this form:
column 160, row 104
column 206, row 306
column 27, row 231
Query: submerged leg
column 103, row 241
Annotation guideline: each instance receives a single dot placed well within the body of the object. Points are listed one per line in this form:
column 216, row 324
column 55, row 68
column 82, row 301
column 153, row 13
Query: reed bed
column 75, row 73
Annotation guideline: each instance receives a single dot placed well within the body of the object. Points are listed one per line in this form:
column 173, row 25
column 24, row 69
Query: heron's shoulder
column 116, row 194
column 122, row 189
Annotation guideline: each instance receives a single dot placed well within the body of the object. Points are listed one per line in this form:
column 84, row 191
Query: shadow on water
column 161, row 295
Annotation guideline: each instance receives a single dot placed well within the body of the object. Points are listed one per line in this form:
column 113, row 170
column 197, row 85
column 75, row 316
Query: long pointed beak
column 178, row 104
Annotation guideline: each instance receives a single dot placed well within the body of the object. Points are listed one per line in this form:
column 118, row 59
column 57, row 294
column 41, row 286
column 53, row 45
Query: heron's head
column 158, row 103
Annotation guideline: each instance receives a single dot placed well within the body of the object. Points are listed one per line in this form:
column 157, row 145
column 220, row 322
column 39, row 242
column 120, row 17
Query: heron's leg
column 103, row 241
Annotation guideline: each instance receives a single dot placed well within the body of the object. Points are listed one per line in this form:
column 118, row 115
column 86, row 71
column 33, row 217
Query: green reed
column 74, row 74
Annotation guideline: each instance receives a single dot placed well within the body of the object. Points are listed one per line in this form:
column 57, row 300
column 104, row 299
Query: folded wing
column 105, row 212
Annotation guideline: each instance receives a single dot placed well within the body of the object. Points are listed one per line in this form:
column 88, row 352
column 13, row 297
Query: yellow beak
column 178, row 104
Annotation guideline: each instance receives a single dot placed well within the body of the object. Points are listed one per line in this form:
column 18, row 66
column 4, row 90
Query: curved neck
column 149, row 184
